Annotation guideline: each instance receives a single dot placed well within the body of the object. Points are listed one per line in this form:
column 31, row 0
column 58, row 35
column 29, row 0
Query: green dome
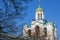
column 39, row 9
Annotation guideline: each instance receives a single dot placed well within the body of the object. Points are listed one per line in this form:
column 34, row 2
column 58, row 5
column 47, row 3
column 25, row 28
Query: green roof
column 39, row 9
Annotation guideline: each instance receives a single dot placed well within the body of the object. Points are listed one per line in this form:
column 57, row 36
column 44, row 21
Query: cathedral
column 40, row 28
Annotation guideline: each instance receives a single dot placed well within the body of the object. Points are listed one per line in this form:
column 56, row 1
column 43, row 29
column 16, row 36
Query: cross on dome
column 39, row 8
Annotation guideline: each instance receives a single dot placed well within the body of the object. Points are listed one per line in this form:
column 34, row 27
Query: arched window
column 29, row 33
column 37, row 30
column 40, row 16
column 45, row 31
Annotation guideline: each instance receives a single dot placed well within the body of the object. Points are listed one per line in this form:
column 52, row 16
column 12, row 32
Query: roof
column 51, row 23
column 39, row 9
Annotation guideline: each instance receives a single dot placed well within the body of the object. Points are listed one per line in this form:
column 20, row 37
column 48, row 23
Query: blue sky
column 51, row 11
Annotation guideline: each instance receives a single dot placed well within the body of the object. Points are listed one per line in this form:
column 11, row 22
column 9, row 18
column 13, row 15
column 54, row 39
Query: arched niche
column 37, row 30
column 29, row 32
column 45, row 31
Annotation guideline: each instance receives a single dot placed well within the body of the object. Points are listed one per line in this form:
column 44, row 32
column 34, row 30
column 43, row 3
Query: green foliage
column 0, row 29
column 11, row 13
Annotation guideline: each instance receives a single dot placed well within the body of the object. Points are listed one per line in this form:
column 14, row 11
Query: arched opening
column 37, row 30
column 45, row 31
column 40, row 16
column 29, row 33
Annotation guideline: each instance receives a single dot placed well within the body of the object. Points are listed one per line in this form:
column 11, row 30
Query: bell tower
column 39, row 13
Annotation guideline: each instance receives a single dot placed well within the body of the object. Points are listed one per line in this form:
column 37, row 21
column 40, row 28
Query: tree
column 0, row 29
column 10, row 12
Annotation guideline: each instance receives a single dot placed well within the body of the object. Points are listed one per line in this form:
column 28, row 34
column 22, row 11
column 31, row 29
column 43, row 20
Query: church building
column 41, row 28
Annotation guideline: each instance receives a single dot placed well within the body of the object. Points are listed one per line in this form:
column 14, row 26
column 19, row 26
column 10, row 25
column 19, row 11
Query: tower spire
column 38, row 3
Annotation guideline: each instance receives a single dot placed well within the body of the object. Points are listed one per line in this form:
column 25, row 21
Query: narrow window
column 29, row 33
column 45, row 31
column 40, row 16
column 37, row 30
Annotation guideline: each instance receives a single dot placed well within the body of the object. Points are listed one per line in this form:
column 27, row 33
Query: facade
column 40, row 28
